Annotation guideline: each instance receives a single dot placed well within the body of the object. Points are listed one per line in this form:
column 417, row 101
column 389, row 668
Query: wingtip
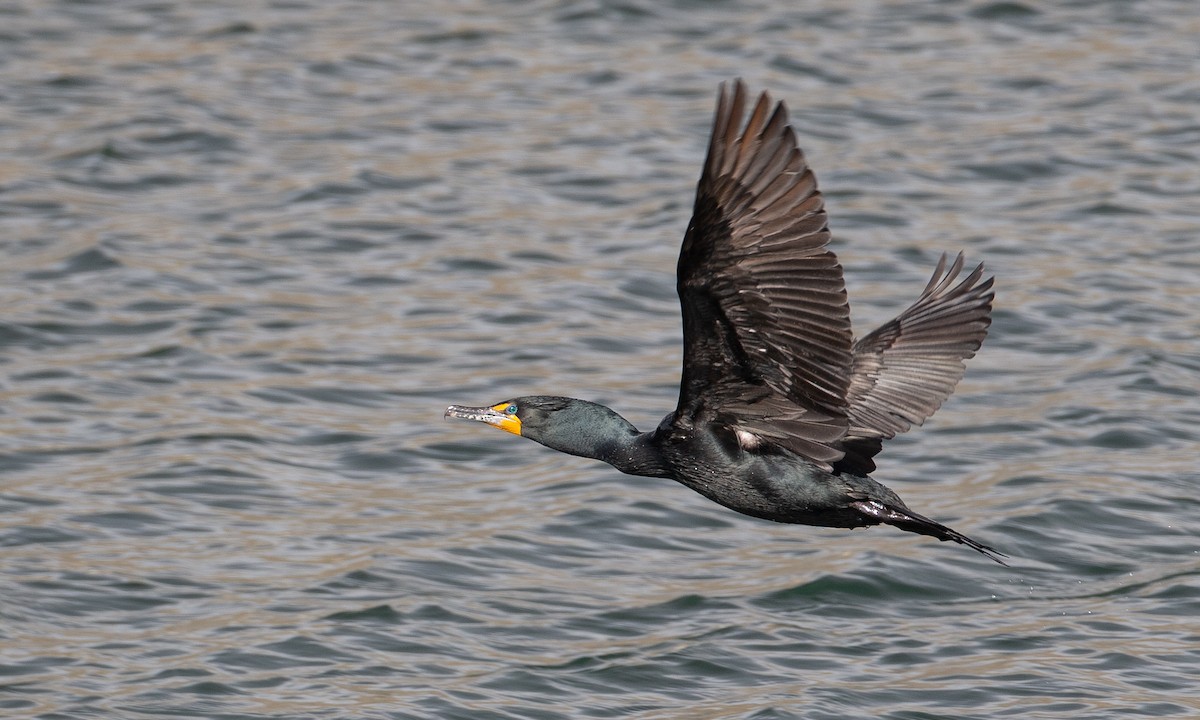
column 943, row 278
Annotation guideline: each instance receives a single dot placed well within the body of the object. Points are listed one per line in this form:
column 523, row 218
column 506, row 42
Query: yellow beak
column 494, row 415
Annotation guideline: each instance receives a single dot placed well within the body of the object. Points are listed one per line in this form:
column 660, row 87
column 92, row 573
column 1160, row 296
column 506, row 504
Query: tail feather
column 906, row 519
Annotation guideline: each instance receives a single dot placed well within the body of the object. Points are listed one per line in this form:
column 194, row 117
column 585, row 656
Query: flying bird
column 781, row 412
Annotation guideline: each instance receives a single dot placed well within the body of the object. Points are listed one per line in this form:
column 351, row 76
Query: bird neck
column 592, row 430
column 636, row 455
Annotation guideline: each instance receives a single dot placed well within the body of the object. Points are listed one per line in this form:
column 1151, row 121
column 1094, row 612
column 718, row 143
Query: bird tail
column 906, row 519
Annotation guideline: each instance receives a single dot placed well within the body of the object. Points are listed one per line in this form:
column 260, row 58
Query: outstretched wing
column 903, row 372
column 766, row 324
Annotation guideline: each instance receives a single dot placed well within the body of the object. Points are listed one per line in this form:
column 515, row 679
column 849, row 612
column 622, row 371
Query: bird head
column 573, row 426
column 530, row 416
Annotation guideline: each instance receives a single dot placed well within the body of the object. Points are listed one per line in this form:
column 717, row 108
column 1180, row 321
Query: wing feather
column 902, row 372
column 767, row 343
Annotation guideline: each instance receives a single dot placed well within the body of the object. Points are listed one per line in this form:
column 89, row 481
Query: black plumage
column 780, row 412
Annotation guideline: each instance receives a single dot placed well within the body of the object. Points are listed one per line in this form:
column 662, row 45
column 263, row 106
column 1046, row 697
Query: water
column 250, row 254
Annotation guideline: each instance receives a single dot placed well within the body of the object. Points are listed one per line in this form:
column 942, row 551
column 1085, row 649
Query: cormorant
column 780, row 412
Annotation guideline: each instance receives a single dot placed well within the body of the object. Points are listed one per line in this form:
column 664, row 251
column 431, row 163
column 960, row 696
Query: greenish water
column 250, row 253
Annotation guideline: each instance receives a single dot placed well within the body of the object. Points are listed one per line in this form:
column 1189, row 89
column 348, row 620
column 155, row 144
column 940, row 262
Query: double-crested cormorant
column 780, row 412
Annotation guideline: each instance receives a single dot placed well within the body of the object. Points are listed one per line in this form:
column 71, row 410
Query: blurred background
column 250, row 251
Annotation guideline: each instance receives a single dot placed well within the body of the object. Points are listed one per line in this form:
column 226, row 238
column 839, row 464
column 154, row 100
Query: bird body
column 780, row 411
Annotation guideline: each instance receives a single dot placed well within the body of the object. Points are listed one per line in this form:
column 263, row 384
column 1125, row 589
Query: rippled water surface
column 250, row 253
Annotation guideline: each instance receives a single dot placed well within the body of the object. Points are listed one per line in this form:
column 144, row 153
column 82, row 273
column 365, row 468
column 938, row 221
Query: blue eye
column 510, row 410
